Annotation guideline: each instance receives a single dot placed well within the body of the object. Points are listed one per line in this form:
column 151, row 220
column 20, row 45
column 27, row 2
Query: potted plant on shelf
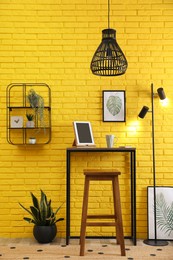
column 43, row 218
column 37, row 103
column 30, row 122
column 32, row 140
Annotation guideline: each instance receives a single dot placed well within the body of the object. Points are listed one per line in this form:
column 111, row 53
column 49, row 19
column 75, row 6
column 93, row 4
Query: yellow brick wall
column 53, row 42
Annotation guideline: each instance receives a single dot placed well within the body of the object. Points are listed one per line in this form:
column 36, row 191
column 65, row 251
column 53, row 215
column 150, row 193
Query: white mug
column 110, row 140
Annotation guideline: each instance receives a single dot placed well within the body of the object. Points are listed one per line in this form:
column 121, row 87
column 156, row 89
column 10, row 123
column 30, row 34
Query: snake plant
column 41, row 211
column 30, row 117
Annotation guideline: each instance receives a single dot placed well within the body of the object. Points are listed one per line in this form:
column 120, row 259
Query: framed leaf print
column 114, row 106
column 164, row 213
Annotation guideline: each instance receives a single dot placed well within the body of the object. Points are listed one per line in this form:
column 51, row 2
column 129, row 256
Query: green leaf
column 35, row 201
column 29, row 220
column 25, row 209
column 35, row 214
column 58, row 209
column 43, row 207
column 60, row 219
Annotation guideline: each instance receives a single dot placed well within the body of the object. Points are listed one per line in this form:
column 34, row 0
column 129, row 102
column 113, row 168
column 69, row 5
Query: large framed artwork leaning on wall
column 164, row 213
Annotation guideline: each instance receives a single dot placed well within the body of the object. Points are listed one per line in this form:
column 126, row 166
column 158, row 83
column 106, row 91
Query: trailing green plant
column 37, row 103
column 41, row 211
column 30, row 117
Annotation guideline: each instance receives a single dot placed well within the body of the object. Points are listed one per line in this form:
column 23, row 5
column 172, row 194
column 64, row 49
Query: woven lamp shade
column 108, row 59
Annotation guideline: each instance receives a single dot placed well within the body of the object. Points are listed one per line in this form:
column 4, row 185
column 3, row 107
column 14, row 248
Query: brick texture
column 53, row 42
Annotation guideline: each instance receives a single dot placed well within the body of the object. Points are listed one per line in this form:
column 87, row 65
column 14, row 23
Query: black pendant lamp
column 108, row 60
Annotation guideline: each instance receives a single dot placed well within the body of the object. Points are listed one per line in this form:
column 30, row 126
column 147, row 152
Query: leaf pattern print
column 164, row 214
column 114, row 105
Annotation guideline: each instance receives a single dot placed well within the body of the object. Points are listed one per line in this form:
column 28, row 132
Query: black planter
column 44, row 234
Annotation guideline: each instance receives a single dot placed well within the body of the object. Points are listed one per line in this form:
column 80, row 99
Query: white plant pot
column 32, row 140
column 30, row 124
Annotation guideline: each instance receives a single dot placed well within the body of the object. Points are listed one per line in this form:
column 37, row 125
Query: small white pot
column 30, row 124
column 32, row 140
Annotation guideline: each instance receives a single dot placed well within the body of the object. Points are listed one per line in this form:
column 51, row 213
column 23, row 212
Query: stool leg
column 117, row 211
column 84, row 217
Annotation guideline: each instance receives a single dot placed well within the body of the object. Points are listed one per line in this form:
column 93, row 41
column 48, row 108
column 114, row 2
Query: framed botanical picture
column 16, row 121
column 114, row 106
column 164, row 213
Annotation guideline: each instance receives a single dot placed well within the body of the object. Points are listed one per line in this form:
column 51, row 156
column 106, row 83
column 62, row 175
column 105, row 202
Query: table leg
column 68, row 198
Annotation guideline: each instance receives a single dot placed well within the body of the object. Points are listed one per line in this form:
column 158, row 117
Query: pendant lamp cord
column 108, row 14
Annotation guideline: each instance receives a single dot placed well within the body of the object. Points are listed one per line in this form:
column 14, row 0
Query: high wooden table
column 132, row 166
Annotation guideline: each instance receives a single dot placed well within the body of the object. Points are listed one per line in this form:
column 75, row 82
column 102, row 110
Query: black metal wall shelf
column 18, row 106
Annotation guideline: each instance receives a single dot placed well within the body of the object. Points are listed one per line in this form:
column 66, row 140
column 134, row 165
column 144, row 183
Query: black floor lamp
column 143, row 112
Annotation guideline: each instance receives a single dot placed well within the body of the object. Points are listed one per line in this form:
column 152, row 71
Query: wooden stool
column 102, row 175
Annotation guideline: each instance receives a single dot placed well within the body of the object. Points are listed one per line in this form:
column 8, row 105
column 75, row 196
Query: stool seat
column 102, row 175
column 101, row 171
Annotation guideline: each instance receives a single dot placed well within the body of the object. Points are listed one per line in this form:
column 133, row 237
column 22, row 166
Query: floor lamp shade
column 108, row 60
column 161, row 93
column 143, row 112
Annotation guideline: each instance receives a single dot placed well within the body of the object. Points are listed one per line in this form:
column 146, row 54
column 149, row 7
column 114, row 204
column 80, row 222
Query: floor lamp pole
column 154, row 242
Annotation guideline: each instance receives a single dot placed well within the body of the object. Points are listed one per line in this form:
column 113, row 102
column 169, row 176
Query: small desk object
column 132, row 154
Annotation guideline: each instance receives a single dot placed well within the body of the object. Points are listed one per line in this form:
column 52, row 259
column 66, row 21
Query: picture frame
column 164, row 212
column 83, row 133
column 16, row 121
column 114, row 106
